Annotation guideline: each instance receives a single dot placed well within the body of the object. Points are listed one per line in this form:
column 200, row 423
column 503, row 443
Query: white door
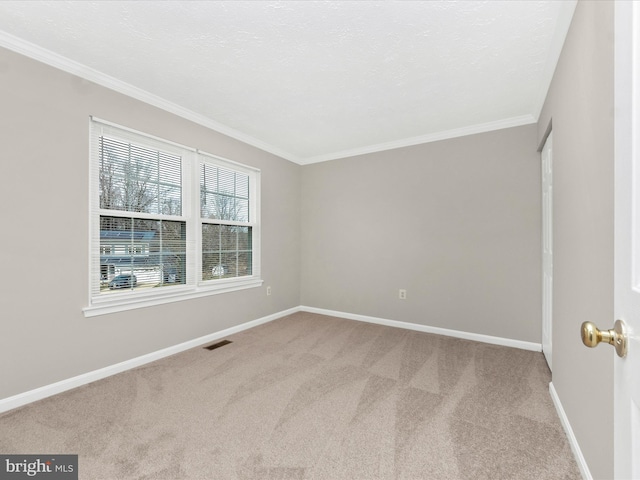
column 547, row 246
column 627, row 239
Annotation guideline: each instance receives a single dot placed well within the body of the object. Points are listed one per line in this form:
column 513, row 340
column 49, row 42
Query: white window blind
column 227, row 221
column 163, row 215
column 138, row 179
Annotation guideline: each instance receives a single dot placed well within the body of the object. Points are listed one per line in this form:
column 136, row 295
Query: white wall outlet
column 269, row 290
column 402, row 294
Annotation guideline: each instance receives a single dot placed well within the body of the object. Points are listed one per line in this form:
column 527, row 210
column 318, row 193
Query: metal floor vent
column 213, row 346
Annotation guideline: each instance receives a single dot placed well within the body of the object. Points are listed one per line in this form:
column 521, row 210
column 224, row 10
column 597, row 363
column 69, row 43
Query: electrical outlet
column 402, row 294
column 269, row 290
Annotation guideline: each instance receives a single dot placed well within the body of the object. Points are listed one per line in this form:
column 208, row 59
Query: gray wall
column 456, row 223
column 580, row 106
column 44, row 128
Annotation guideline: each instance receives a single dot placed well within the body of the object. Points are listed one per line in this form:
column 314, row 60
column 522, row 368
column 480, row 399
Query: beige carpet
column 310, row 397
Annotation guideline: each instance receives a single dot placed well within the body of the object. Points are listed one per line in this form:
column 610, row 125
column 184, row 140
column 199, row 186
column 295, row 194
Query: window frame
column 253, row 215
column 194, row 286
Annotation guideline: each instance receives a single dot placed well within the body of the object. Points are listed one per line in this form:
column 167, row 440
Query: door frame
column 547, row 245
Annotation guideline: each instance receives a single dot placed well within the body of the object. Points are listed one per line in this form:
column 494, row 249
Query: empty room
column 319, row 240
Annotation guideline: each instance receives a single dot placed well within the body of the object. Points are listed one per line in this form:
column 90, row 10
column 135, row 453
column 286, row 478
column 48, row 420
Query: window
column 168, row 222
column 226, row 231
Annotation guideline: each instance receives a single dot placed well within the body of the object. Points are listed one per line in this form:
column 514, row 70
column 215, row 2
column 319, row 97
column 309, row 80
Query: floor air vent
column 213, row 346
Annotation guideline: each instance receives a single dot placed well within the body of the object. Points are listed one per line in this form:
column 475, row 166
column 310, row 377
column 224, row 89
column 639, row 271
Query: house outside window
column 168, row 222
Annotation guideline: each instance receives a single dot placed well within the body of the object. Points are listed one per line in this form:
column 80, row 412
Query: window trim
column 195, row 286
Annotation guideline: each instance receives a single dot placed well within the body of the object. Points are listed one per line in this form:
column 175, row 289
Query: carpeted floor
column 310, row 397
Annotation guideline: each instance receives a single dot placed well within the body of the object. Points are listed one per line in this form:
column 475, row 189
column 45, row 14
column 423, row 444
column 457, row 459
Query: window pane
column 138, row 179
column 224, row 194
column 226, row 251
column 139, row 253
column 242, row 209
column 229, row 263
column 171, row 200
column 244, row 263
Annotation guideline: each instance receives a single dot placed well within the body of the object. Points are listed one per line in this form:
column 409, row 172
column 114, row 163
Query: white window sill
column 129, row 301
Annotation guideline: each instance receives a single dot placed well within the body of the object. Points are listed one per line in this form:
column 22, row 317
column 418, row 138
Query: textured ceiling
column 310, row 80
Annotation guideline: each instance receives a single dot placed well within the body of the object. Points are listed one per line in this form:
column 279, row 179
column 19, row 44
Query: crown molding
column 52, row 59
column 428, row 138
column 55, row 60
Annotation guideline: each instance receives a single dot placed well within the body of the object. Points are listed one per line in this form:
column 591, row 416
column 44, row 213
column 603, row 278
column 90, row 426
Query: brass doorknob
column 592, row 336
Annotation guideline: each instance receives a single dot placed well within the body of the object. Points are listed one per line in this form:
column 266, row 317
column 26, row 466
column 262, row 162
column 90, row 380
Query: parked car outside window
column 126, row 280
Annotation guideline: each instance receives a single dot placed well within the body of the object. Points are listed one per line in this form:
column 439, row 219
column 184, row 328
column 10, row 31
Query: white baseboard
column 507, row 342
column 20, row 399
column 573, row 442
column 16, row 401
